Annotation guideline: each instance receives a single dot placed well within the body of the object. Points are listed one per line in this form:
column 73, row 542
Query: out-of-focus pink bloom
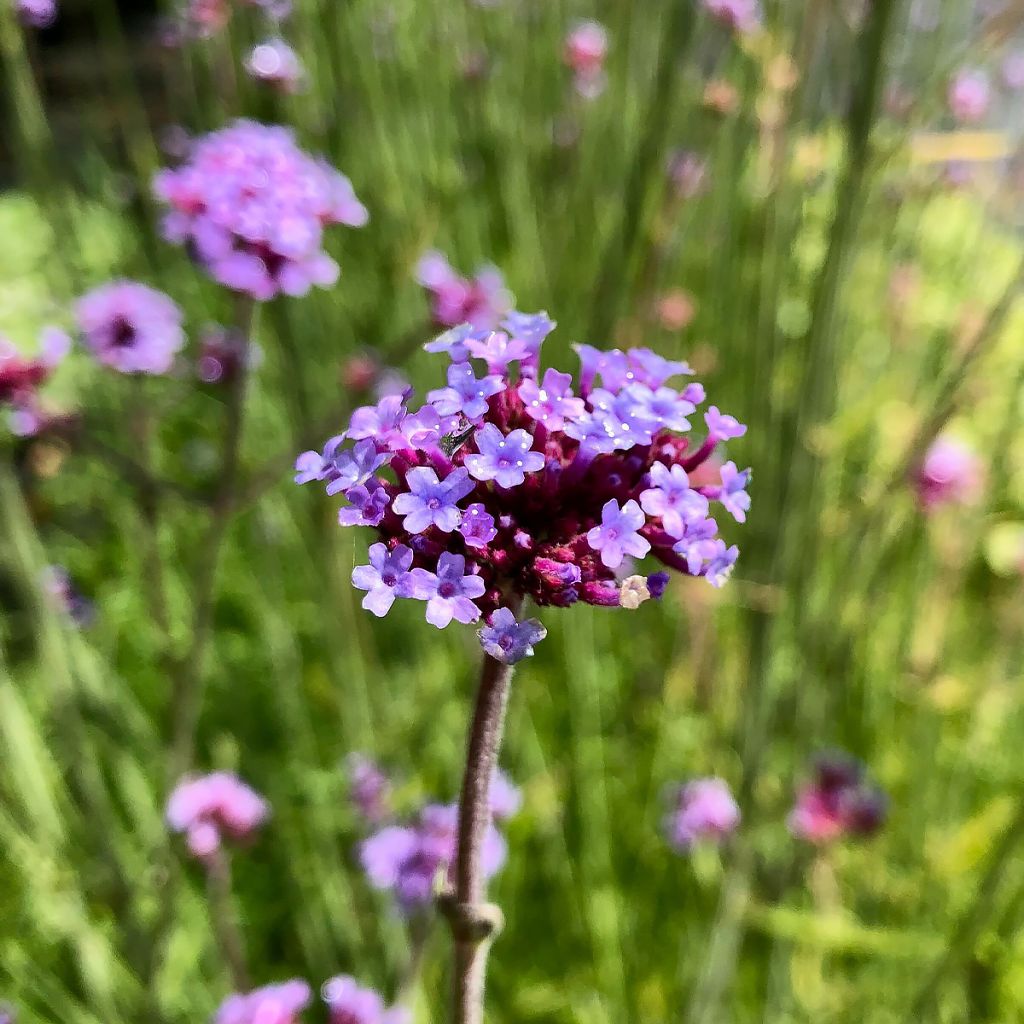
column 837, row 802
column 205, row 18
column 1013, row 70
column 482, row 301
column 209, row 808
column 22, row 377
column 586, row 48
column 704, row 810
column 271, row 1004
column 350, row 1003
column 275, row 62
column 951, row 473
column 369, row 788
column 969, row 96
column 739, row 15
column 676, row 310
column 37, row 13
column 222, row 354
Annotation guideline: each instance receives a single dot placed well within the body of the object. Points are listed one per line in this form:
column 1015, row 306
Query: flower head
column 722, row 426
column 951, row 474
column 131, row 327
column 969, row 96
column 252, row 206
column 509, row 485
column 480, row 302
column 276, row 63
column 585, row 50
column 369, row 788
column 22, row 378
column 272, row 1004
column 704, row 810
column 739, row 15
column 837, row 802
column 350, row 1003
column 209, row 808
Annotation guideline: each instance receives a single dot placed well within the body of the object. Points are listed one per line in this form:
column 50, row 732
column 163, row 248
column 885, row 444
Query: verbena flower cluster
column 508, row 484
column 480, row 301
column 410, row 860
column 252, row 207
column 703, row 810
column 837, row 802
column 347, row 1002
column 211, row 808
column 22, row 378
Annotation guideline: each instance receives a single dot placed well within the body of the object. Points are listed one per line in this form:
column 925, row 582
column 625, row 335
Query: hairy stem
column 474, row 923
column 225, row 921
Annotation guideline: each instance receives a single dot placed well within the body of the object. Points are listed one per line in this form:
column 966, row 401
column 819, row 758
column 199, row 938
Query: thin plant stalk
column 225, row 919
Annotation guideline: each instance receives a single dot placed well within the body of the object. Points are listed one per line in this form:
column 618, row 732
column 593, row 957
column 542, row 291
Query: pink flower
column 586, row 47
column 705, row 810
column 951, row 473
column 481, row 301
column 208, row 808
column 969, row 96
column 739, row 15
column 276, row 63
column 837, row 803
column 271, row 1004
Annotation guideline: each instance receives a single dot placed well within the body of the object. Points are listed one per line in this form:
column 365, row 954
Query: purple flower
column 969, row 96
column 721, row 426
column 551, row 402
column 705, row 809
column 456, row 341
column 131, row 327
column 432, row 502
column 698, row 544
column 481, row 301
column 612, row 366
column 366, row 507
column 506, row 798
column 508, row 640
column 657, row 583
column 617, row 535
column 385, row 578
column 499, row 351
column 37, row 13
column 477, row 526
column 252, row 208
column 381, row 421
column 504, row 459
column 349, row 1003
column 369, row 788
column 448, row 592
column 653, row 370
column 57, row 584
column 732, row 493
column 271, row 1004
column 663, row 409
column 352, row 467
column 951, row 473
column 311, row 466
column 531, row 328
column 720, row 565
column 671, row 498
column 208, row 807
column 276, row 63
column 465, row 394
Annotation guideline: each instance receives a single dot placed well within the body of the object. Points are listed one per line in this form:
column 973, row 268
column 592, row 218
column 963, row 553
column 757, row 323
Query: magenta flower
column 586, row 48
column 552, row 402
column 508, row 640
column 557, row 494
column 465, row 394
column 369, row 788
column 477, row 526
column 37, row 13
column 618, row 535
column 969, row 96
column 704, row 810
column 271, row 1004
column 131, row 327
column 671, row 499
column 366, row 507
column 252, row 207
column 277, row 64
column 837, row 802
column 22, row 378
column 951, row 473
column 349, row 1003
column 385, row 578
column 505, row 459
column 506, row 798
column 448, row 592
column 432, row 502
column 209, row 808
column 739, row 15
column 480, row 302
column 721, row 426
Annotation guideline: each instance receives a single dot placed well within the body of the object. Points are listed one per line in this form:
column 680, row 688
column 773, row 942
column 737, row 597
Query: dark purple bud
column 864, row 810
column 835, row 770
column 657, row 583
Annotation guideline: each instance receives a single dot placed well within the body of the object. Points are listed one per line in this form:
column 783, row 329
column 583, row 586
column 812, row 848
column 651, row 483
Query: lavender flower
column 352, row 467
column 969, row 96
column 721, row 426
column 477, row 526
column 732, row 493
column 385, row 578
column 252, row 207
column 208, row 808
column 311, row 466
column 671, row 499
column 369, row 788
column 448, row 592
column 37, row 13
column 551, row 403
column 506, row 798
column 366, row 507
column 499, row 351
column 705, row 810
column 131, row 327
column 720, row 565
column 480, row 302
column 349, row 1003
column 505, row 459
column 277, row 64
column 431, row 502
column 507, row 640
column 618, row 535
column 271, row 1004
column 465, row 394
